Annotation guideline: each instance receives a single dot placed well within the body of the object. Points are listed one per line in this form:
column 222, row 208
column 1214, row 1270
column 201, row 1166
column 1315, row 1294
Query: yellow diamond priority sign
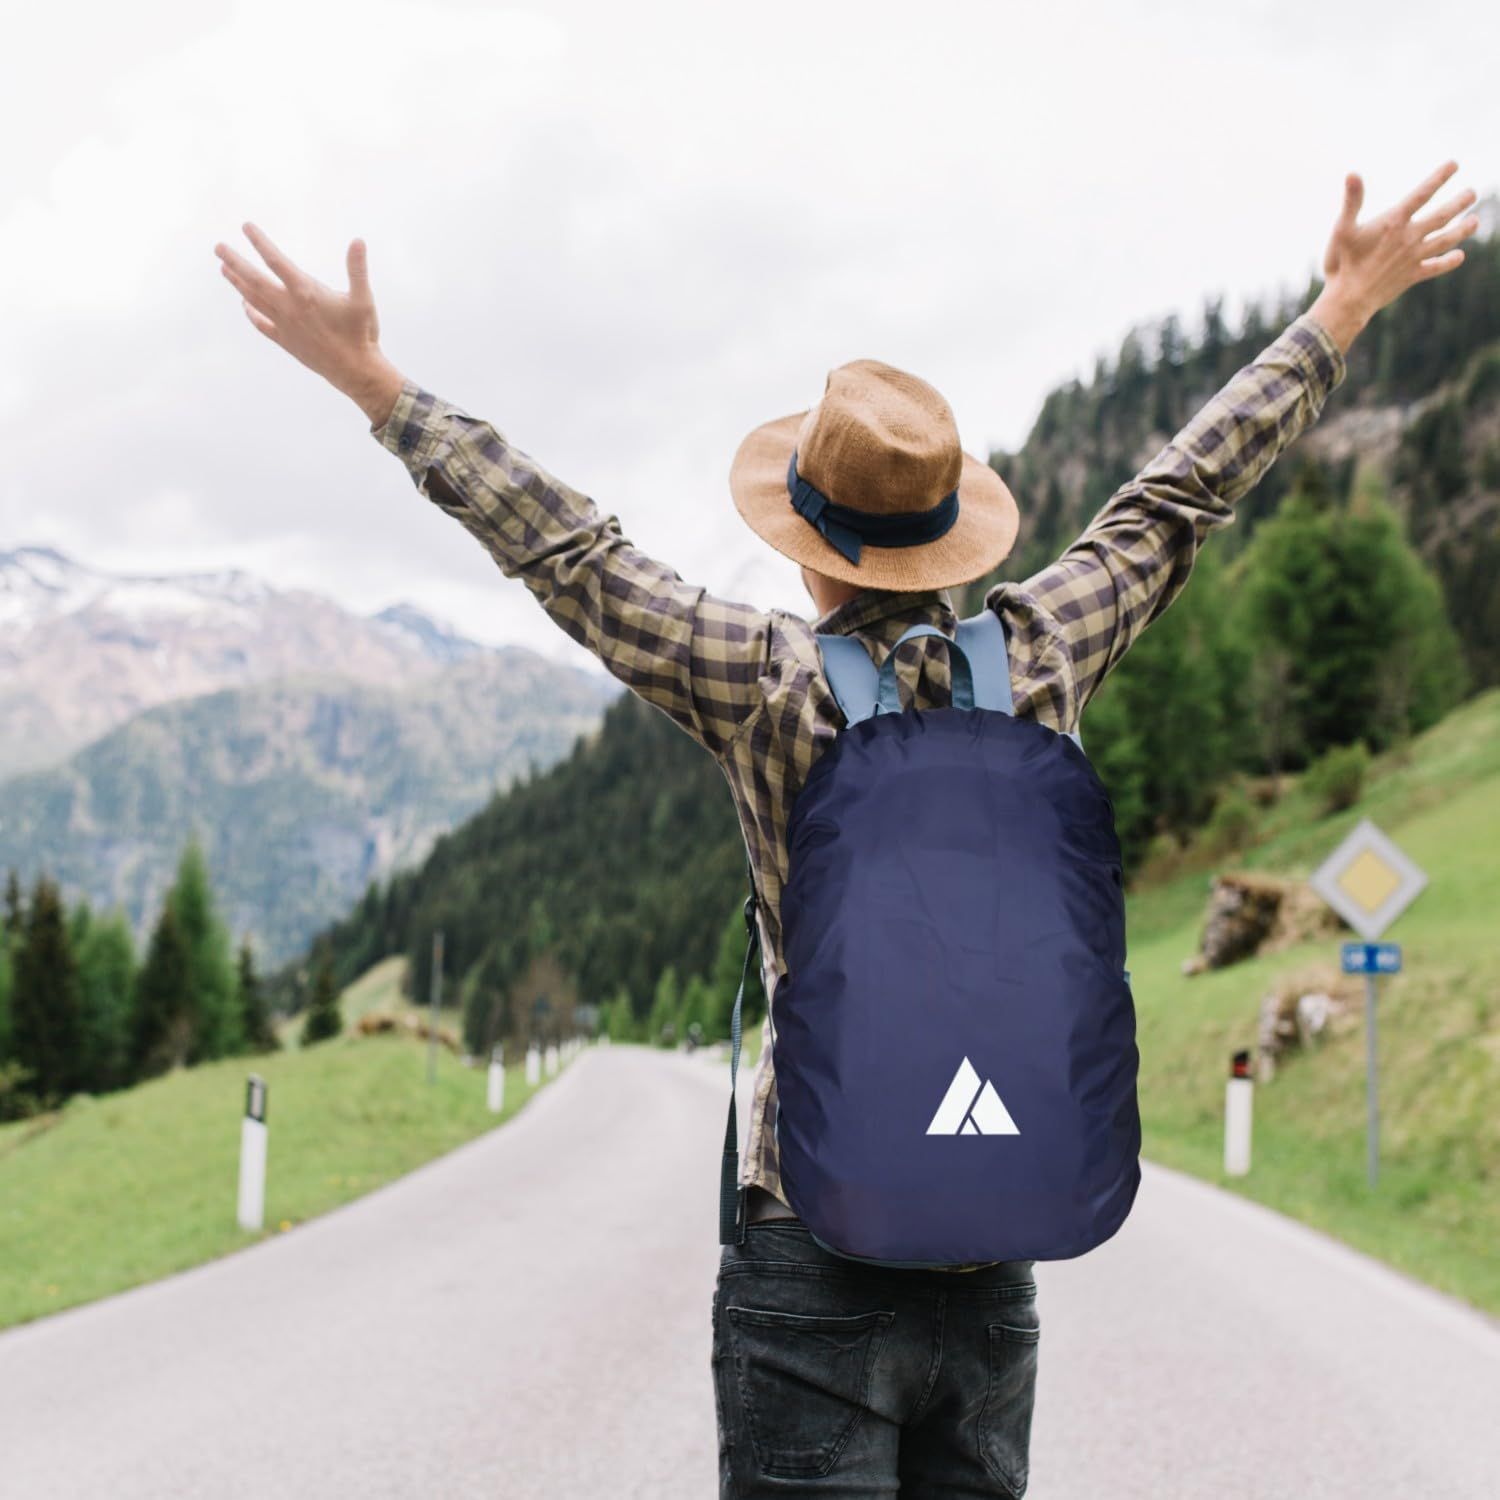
column 1368, row 881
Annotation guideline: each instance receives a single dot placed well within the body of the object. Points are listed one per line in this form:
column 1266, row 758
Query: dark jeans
column 836, row 1378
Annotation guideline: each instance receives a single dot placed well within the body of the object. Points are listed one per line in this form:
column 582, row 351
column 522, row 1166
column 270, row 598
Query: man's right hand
column 1367, row 266
column 336, row 334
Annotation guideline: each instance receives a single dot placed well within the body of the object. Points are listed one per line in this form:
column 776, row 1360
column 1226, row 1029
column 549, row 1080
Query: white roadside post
column 551, row 1058
column 497, row 1080
column 533, row 1066
column 1239, row 1092
column 252, row 1206
column 1369, row 882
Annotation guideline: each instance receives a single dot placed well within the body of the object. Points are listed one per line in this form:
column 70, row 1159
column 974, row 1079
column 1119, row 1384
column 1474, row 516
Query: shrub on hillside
column 323, row 1019
column 1233, row 820
column 1337, row 779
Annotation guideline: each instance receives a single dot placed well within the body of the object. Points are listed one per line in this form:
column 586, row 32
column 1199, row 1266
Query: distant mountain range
column 82, row 649
column 312, row 749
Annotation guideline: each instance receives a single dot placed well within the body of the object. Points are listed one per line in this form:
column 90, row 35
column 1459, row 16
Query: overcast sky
column 625, row 234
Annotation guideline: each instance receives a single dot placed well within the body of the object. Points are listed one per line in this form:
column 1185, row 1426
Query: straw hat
column 872, row 486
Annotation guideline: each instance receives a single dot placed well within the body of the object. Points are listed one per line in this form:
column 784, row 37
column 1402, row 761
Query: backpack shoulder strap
column 852, row 675
column 982, row 638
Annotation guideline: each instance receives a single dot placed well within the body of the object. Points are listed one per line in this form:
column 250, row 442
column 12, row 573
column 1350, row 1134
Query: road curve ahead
column 528, row 1316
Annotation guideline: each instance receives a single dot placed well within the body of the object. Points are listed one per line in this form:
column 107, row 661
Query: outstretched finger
column 1437, row 244
column 1419, row 195
column 359, row 270
column 261, row 321
column 1445, row 211
column 1441, row 266
column 1354, row 196
column 246, row 277
column 273, row 257
column 254, row 289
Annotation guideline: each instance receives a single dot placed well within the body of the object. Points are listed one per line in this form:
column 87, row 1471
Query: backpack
column 954, row 1038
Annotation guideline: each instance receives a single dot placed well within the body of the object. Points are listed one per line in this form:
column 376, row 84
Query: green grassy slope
column 132, row 1186
column 1436, row 1212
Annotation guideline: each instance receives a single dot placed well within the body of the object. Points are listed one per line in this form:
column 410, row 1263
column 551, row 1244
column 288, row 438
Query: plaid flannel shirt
column 747, row 683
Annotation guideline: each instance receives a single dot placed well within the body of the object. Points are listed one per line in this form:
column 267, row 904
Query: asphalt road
column 529, row 1317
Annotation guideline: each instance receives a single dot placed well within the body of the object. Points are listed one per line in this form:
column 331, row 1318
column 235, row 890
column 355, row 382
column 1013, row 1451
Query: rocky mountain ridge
column 84, row 649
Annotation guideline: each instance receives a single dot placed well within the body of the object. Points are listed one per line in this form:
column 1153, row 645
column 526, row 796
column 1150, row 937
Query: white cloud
column 627, row 234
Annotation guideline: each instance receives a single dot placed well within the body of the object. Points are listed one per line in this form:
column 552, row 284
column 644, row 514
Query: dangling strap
column 731, row 1194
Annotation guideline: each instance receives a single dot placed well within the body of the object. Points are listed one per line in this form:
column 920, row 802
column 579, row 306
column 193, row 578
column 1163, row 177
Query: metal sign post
column 1371, row 960
column 1369, row 882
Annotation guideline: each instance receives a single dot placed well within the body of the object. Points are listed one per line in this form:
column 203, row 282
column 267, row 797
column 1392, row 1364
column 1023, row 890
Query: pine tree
column 45, row 1000
column 1165, row 728
column 662, row 1028
column 1372, row 655
column 6, row 981
column 106, row 974
column 211, row 977
column 164, row 1021
column 621, row 1026
column 695, row 1006
column 323, row 1019
column 255, row 1015
column 14, row 916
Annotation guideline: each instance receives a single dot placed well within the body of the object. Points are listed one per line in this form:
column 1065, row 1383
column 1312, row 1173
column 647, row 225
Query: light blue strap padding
column 980, row 659
column 982, row 637
column 851, row 674
column 888, row 694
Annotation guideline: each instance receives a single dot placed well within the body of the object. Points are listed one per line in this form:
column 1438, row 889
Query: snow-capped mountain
column 83, row 649
column 311, row 749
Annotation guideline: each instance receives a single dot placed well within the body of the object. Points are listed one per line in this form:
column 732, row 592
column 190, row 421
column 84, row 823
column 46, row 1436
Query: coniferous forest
column 80, row 1012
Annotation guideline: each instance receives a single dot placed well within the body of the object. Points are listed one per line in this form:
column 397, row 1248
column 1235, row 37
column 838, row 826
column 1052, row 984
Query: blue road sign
column 1372, row 958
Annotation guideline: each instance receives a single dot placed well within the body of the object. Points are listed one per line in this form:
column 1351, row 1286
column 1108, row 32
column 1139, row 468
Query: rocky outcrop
column 382, row 1023
column 1300, row 1010
column 1253, row 913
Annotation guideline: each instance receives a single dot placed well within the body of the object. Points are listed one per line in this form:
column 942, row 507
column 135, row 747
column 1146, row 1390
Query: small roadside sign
column 1368, row 881
column 1372, row 958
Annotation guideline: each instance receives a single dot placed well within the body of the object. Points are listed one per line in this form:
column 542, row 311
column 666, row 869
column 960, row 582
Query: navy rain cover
column 954, row 891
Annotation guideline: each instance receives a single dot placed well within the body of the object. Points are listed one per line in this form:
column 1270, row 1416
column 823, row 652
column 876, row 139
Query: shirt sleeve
column 698, row 658
column 1135, row 555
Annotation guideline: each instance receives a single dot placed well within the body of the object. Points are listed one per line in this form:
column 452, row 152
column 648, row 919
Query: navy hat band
column 845, row 528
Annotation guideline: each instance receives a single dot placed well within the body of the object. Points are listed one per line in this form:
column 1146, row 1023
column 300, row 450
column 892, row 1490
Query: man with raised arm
column 944, row 1409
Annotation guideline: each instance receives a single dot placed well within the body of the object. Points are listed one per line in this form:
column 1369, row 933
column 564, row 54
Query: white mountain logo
column 971, row 1107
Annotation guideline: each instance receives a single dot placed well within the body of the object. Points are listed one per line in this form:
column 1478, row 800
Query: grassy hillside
column 1436, row 1212
column 129, row 1187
